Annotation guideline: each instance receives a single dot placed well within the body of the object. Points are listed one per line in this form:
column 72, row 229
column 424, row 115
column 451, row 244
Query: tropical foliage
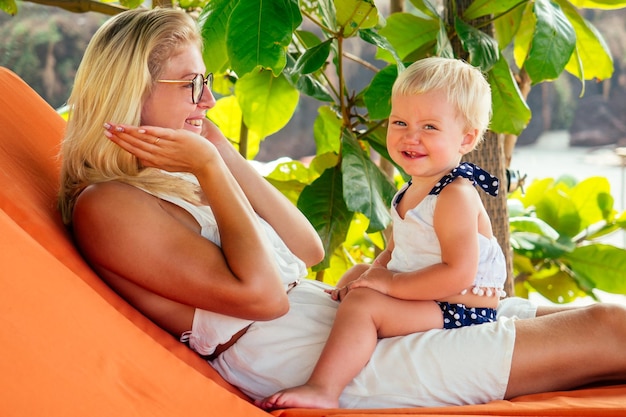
column 267, row 55
column 555, row 230
column 299, row 49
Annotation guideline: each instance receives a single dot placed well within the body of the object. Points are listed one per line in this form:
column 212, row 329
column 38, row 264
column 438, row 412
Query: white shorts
column 469, row 365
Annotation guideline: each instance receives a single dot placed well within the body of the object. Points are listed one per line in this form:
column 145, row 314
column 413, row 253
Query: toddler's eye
column 398, row 123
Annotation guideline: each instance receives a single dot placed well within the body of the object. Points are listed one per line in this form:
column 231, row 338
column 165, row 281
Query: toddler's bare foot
column 304, row 396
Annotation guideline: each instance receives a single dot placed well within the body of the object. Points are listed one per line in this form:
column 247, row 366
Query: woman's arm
column 128, row 233
column 292, row 226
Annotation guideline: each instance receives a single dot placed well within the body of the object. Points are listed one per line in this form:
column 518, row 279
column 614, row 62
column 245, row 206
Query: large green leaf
column 482, row 48
column 409, row 33
column 313, row 58
column 8, row 6
column 589, row 197
column 375, row 38
column 557, row 286
column 213, row 21
column 354, row 14
column 323, row 204
column 366, row 189
column 507, row 25
column 510, row 112
column 425, row 8
column 559, row 211
column 605, row 265
column 481, row 8
column 599, row 4
column 258, row 34
column 534, row 246
column 591, row 50
column 524, row 35
column 327, row 131
column 377, row 97
column 552, row 44
column 267, row 102
column 533, row 225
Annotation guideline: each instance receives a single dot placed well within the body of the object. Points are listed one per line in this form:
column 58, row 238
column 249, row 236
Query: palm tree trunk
column 489, row 156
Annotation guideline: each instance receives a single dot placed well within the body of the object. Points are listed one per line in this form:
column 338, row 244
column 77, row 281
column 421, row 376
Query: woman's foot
column 304, row 396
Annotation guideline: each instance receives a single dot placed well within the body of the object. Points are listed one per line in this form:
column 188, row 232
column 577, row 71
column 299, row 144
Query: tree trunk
column 489, row 156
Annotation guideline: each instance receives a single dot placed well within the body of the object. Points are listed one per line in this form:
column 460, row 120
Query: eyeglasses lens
column 198, row 86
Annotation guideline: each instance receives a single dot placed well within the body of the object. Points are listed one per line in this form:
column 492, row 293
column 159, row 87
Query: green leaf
column 536, row 190
column 510, row 112
column 8, row 6
column 267, row 102
column 213, row 21
column 309, row 86
column 533, row 225
column 482, row 48
column 366, row 189
column 258, row 34
column 534, row 246
column 599, row 4
column 380, row 41
column 592, row 51
column 558, row 287
column 226, row 114
column 313, row 58
column 131, row 4
column 605, row 265
column 355, row 14
column 558, row 210
column 507, row 25
column 290, row 178
column 480, row 8
column 589, row 198
column 377, row 96
column 524, row 35
column 552, row 45
column 327, row 131
column 408, row 33
column 323, row 204
column 426, row 8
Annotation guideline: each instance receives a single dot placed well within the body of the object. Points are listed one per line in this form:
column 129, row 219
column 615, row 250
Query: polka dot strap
column 479, row 177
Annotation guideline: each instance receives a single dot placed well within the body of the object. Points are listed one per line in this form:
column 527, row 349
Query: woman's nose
column 208, row 100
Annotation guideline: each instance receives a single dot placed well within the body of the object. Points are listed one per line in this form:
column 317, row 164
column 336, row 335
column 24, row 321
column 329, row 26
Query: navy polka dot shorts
column 457, row 315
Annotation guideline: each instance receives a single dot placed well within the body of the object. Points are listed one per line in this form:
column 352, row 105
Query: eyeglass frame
column 208, row 81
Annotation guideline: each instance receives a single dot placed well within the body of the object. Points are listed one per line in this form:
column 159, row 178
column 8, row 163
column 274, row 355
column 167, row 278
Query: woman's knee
column 608, row 318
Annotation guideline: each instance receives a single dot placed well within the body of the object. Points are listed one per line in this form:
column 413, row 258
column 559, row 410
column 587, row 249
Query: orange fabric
column 70, row 346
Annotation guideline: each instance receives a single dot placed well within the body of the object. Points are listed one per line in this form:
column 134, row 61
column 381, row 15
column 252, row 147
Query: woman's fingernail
column 119, row 129
column 141, row 130
column 107, row 126
column 108, row 134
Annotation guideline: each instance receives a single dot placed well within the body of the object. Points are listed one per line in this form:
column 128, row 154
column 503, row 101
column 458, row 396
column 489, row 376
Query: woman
column 172, row 218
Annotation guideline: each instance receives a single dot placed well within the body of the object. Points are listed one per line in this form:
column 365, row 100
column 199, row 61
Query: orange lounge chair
column 72, row 347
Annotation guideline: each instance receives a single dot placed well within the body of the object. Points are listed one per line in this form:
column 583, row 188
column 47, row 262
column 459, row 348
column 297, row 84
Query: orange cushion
column 70, row 345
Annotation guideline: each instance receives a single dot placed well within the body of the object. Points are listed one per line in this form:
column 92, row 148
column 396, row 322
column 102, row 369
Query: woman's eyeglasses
column 197, row 85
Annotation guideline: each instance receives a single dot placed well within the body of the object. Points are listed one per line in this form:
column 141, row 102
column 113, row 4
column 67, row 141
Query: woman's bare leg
column 566, row 349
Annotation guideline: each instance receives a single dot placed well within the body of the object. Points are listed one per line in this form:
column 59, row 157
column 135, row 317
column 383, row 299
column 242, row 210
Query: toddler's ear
column 470, row 140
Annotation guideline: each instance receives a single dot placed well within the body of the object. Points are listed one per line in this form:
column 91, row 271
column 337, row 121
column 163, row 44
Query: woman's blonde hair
column 117, row 73
column 465, row 87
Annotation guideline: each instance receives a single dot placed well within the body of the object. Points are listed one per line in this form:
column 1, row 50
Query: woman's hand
column 167, row 149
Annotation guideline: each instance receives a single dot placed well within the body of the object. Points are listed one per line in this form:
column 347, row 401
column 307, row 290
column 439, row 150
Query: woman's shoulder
column 110, row 195
column 111, row 201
